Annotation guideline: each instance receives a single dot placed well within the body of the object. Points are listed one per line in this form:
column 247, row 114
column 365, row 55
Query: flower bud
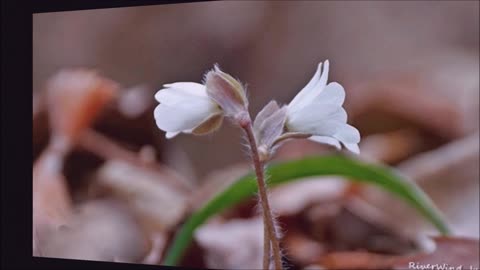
column 227, row 92
column 268, row 126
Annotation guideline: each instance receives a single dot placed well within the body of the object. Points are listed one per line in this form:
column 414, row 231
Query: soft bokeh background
column 274, row 47
column 411, row 73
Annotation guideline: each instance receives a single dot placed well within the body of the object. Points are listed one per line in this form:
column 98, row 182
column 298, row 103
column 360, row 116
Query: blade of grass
column 338, row 165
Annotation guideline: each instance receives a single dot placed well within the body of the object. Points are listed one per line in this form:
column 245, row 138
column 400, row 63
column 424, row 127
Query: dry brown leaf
column 425, row 94
column 292, row 198
column 301, row 248
column 98, row 230
column 358, row 228
column 235, row 244
column 391, row 147
column 216, row 182
column 448, row 252
column 108, row 149
column 356, row 260
column 158, row 241
column 161, row 205
column 74, row 98
column 50, row 197
column 449, row 175
column 295, row 149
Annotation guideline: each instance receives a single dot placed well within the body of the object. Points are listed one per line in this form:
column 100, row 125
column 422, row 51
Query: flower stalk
column 269, row 232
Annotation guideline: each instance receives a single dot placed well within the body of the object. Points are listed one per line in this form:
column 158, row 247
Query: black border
column 60, row 5
column 16, row 111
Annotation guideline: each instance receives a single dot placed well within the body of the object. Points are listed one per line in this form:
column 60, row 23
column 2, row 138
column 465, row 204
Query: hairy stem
column 266, row 246
column 267, row 213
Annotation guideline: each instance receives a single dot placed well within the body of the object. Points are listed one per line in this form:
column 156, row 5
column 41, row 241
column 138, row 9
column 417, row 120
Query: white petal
column 317, row 119
column 352, row 147
column 313, row 81
column 339, row 115
column 347, row 134
column 323, row 79
column 183, row 116
column 170, row 135
column 172, row 96
column 332, row 94
column 189, row 87
column 312, row 113
column 323, row 128
column 326, row 140
column 310, row 92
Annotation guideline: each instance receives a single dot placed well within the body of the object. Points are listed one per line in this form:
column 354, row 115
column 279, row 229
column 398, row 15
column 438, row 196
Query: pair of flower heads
column 315, row 113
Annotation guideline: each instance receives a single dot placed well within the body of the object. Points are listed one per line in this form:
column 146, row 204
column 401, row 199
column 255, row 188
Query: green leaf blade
column 335, row 165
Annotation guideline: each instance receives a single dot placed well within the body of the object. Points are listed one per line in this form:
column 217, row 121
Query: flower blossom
column 196, row 108
column 317, row 111
column 185, row 107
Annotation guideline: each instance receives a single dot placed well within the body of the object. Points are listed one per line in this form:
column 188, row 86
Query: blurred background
column 410, row 70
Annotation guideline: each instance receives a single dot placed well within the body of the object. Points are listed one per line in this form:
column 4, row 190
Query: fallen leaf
column 424, row 94
column 234, row 244
column 215, row 182
column 394, row 146
column 158, row 241
column 145, row 191
column 294, row 197
column 449, row 175
column 448, row 252
column 50, row 197
column 74, row 99
column 301, row 248
column 100, row 230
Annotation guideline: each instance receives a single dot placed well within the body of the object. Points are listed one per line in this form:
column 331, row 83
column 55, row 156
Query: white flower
column 186, row 107
column 196, row 108
column 317, row 110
